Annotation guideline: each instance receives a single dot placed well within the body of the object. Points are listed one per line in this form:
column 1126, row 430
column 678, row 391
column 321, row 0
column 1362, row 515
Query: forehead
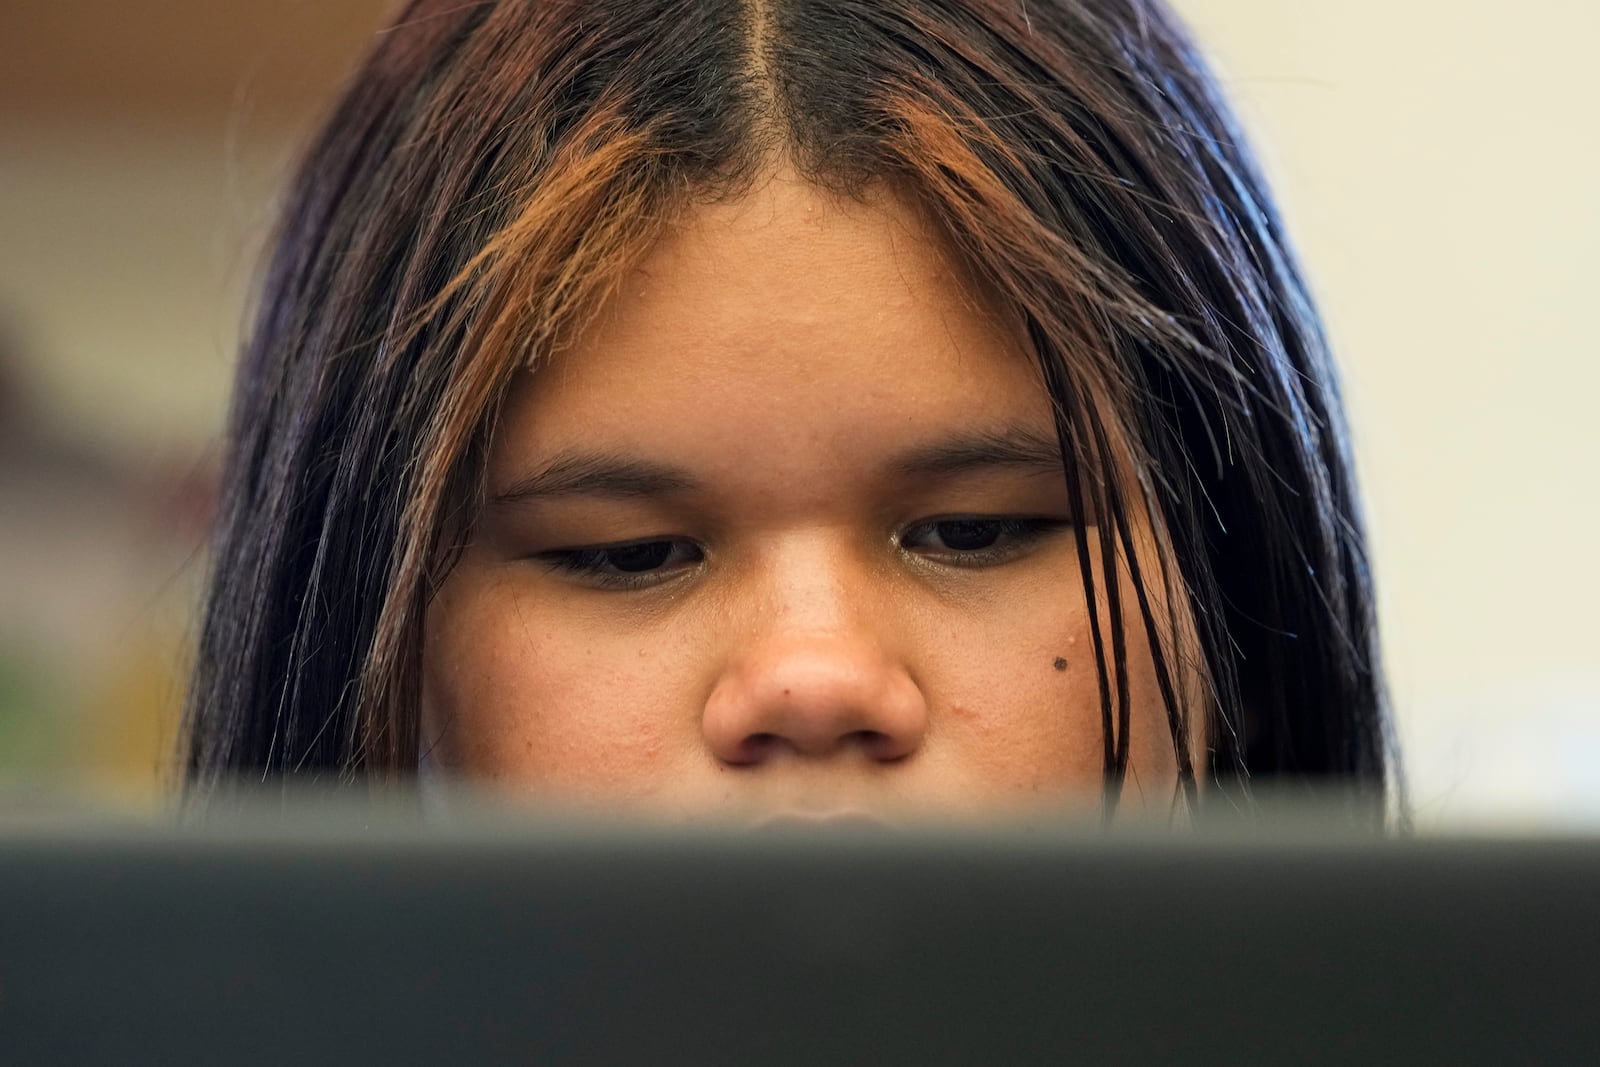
column 789, row 325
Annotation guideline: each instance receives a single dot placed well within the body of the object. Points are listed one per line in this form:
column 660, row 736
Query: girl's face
column 783, row 535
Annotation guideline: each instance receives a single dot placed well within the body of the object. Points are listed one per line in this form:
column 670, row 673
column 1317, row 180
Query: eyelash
column 1015, row 535
column 594, row 563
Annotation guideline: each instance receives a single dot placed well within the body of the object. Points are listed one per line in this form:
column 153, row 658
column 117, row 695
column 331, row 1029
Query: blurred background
column 1438, row 162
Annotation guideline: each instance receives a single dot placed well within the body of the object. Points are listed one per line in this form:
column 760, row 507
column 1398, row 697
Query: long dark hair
column 493, row 170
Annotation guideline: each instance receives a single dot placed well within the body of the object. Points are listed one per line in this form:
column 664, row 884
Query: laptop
column 311, row 938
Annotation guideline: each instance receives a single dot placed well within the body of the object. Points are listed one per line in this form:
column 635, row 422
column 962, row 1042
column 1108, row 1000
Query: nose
column 814, row 682
column 812, row 695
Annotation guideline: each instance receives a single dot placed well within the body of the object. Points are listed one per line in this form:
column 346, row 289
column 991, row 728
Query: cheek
column 1017, row 724
column 1026, row 729
column 516, row 693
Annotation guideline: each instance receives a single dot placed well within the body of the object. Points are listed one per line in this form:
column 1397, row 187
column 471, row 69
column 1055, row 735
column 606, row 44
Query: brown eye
column 631, row 559
column 632, row 565
column 978, row 540
column 968, row 535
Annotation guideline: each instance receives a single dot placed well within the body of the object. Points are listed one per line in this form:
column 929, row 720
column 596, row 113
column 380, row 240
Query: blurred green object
column 33, row 713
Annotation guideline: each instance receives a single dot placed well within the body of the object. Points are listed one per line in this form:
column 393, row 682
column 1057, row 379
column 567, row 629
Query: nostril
column 757, row 747
column 875, row 743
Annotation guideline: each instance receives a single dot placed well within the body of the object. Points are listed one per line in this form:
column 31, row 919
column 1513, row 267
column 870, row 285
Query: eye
column 976, row 540
column 629, row 565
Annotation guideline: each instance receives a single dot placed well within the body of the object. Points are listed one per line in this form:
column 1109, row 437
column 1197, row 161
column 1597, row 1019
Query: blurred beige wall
column 140, row 145
column 140, row 148
column 1437, row 160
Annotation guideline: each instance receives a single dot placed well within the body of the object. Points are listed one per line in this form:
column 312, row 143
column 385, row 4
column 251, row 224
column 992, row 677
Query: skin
column 833, row 605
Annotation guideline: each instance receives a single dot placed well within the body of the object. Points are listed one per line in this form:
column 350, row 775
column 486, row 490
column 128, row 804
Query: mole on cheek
column 1060, row 663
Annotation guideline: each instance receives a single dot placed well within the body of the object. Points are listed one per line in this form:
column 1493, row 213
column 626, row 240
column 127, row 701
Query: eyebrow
column 607, row 474
column 1013, row 446
column 596, row 474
